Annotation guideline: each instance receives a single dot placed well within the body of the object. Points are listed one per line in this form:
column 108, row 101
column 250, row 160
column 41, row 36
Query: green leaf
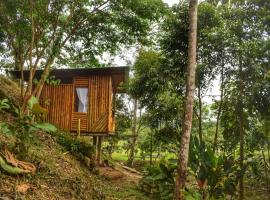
column 47, row 127
column 32, row 101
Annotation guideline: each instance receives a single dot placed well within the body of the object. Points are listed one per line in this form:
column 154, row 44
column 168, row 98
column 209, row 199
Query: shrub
column 78, row 147
column 158, row 181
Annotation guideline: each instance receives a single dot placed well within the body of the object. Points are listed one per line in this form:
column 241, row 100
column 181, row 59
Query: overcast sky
column 171, row 2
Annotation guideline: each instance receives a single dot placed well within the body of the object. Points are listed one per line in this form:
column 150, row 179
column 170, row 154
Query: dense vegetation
column 229, row 148
column 230, row 136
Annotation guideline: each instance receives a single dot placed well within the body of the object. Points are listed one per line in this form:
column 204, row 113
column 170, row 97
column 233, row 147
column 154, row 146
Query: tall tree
column 190, row 87
column 134, row 134
column 39, row 34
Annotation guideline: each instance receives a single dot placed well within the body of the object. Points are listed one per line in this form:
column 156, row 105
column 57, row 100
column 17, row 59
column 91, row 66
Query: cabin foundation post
column 79, row 129
column 94, row 141
column 98, row 149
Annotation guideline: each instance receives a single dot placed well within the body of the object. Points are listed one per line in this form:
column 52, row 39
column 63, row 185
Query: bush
column 75, row 146
column 158, row 181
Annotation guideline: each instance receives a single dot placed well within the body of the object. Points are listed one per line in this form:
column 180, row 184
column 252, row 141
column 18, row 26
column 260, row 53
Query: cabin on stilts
column 83, row 101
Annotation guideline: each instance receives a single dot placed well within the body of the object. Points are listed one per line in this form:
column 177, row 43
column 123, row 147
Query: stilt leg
column 94, row 141
column 79, row 129
column 98, row 149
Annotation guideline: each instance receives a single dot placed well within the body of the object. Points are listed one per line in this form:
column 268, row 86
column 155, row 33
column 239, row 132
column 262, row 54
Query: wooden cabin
column 84, row 100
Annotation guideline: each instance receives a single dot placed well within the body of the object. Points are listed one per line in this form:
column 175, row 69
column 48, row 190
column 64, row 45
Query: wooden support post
column 79, row 128
column 98, row 149
column 94, row 141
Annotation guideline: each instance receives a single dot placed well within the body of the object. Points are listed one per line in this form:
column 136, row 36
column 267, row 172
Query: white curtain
column 83, row 99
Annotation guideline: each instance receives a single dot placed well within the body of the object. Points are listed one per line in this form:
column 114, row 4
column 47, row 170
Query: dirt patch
column 119, row 173
column 110, row 174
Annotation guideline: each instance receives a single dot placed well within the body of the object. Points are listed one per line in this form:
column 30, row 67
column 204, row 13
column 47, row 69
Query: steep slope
column 59, row 175
column 9, row 90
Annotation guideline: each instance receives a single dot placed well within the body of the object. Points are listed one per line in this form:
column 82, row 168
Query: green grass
column 122, row 156
column 119, row 156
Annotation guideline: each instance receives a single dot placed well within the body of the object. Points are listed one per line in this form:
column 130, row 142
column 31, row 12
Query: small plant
column 77, row 147
column 159, row 181
column 4, row 104
column 215, row 175
column 23, row 126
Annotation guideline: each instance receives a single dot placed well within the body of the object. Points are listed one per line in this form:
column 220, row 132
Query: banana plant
column 216, row 175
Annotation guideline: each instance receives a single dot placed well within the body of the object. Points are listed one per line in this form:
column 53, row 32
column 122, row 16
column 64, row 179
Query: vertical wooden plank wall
column 58, row 101
column 99, row 103
column 111, row 121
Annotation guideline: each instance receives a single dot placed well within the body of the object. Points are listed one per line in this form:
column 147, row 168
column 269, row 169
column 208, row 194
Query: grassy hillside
column 9, row 90
column 60, row 174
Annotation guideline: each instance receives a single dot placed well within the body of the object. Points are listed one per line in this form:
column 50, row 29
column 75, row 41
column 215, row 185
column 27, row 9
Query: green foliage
column 156, row 92
column 32, row 101
column 46, row 127
column 10, row 169
column 51, row 80
column 23, row 126
column 192, row 194
column 36, row 111
column 4, row 104
column 216, row 174
column 74, row 33
column 4, row 129
column 75, row 146
column 9, row 90
column 123, row 123
column 158, row 181
column 147, row 82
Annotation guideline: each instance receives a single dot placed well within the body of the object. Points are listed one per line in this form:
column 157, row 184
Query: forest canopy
column 195, row 122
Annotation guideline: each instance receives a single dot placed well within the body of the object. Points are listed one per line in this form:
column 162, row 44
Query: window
column 81, row 99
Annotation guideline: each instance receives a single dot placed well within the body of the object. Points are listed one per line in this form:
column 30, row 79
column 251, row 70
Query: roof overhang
column 119, row 75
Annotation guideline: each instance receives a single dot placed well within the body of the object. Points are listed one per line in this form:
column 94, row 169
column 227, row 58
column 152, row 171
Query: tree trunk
column 134, row 135
column 21, row 68
column 190, row 87
column 28, row 92
column 42, row 81
column 98, row 150
column 200, row 113
column 268, row 150
column 266, row 171
column 219, row 108
column 151, row 148
column 30, row 81
column 241, row 131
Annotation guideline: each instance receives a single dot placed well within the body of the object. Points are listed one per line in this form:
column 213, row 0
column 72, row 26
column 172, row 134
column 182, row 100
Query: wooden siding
column 99, row 101
column 58, row 101
column 83, row 120
column 79, row 82
column 99, row 118
column 111, row 120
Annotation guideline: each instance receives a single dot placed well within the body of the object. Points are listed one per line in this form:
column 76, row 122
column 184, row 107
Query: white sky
column 171, row 2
